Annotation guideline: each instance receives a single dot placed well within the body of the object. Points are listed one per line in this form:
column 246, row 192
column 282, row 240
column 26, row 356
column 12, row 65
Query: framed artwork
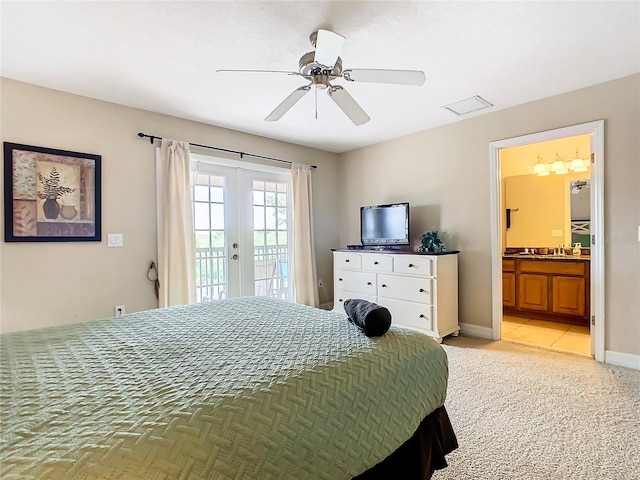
column 51, row 195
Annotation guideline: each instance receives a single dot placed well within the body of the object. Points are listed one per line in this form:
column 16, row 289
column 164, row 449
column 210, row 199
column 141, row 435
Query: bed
column 247, row 388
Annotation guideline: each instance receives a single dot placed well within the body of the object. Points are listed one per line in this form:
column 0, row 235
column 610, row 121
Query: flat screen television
column 385, row 225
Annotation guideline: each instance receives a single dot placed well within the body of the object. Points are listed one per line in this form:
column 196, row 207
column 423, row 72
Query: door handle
column 234, row 257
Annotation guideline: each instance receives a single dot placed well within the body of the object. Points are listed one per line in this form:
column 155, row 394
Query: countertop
column 529, row 256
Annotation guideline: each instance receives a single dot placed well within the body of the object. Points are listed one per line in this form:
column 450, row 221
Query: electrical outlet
column 118, row 310
column 320, row 283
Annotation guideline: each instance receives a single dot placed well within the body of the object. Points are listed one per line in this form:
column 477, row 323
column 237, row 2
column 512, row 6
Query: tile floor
column 552, row 335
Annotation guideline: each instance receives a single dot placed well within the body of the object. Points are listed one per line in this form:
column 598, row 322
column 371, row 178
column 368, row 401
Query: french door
column 242, row 220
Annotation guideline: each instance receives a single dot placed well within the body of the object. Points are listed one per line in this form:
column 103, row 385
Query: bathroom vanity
column 547, row 287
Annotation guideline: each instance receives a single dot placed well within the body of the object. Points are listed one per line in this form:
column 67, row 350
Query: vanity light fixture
column 578, row 164
column 559, row 166
column 540, row 168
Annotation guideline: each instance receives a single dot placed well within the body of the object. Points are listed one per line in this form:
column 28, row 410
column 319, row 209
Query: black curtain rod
column 242, row 154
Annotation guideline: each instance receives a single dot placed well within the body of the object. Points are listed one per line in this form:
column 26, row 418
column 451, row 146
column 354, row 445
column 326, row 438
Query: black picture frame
column 51, row 195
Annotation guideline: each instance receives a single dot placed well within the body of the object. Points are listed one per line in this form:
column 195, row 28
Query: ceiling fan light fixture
column 468, row 105
column 328, row 45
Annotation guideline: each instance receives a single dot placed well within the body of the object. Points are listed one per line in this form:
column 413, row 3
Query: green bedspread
column 248, row 388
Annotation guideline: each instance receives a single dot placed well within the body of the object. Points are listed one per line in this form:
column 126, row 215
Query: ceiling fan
column 323, row 66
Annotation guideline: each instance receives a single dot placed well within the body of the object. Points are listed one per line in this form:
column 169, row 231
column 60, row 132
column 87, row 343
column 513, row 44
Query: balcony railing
column 270, row 273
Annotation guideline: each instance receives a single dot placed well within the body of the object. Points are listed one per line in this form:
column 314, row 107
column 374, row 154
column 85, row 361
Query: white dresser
column 420, row 291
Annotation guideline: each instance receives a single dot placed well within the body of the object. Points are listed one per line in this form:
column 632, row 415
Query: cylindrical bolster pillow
column 373, row 319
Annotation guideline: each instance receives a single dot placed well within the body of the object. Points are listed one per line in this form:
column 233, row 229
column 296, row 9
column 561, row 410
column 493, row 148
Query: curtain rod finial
column 151, row 137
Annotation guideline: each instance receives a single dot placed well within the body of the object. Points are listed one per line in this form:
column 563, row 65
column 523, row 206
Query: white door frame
column 596, row 129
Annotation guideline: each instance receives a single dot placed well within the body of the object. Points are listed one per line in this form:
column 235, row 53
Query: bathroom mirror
column 580, row 208
column 545, row 211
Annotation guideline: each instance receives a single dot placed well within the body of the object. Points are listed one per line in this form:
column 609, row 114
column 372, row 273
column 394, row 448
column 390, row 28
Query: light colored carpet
column 522, row 412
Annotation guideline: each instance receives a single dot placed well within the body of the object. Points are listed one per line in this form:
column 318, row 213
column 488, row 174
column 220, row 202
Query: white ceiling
column 162, row 57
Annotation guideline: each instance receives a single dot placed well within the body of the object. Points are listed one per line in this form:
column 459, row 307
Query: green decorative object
column 431, row 243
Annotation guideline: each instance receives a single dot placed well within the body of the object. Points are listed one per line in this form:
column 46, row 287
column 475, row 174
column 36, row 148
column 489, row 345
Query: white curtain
column 176, row 238
column 304, row 257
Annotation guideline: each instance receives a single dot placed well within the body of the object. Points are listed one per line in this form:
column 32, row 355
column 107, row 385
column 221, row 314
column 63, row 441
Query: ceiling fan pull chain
column 316, row 95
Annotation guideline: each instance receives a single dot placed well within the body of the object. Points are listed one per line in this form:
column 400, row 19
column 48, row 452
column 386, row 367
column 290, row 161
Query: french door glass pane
column 208, row 215
column 270, row 239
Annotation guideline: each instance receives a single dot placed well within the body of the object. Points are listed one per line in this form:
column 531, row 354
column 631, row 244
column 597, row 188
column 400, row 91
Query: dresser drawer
column 409, row 314
column 412, row 289
column 341, row 295
column 347, row 261
column 413, row 265
column 377, row 263
column 359, row 282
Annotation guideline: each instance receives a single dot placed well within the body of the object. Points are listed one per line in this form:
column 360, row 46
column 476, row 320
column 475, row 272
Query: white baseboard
column 622, row 359
column 476, row 331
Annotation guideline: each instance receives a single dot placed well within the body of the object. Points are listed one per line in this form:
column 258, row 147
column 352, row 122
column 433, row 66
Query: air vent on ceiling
column 468, row 105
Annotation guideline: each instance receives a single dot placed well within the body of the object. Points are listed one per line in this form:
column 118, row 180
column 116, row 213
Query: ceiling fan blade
column 257, row 71
column 328, row 46
column 348, row 105
column 287, row 103
column 398, row 77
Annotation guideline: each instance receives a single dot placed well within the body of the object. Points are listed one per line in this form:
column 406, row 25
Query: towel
column 373, row 319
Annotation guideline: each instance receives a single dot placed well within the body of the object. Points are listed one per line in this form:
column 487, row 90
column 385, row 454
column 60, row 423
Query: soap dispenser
column 577, row 249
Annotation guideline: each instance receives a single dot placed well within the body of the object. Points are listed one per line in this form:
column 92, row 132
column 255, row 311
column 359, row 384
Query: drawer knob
column 339, row 279
column 384, row 285
column 411, row 265
column 369, row 283
column 422, row 316
column 347, row 260
column 375, row 263
column 421, row 290
column 340, row 300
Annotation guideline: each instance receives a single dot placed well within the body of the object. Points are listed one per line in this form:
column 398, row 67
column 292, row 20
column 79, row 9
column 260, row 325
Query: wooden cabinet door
column 533, row 292
column 508, row 289
column 568, row 295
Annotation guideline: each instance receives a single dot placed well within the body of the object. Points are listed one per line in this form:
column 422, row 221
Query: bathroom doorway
column 542, row 277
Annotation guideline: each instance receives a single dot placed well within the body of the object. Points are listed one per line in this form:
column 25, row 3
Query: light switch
column 115, row 240
column 556, row 233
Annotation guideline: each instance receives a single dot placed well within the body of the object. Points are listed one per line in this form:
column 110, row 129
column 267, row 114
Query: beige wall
column 44, row 284
column 444, row 173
